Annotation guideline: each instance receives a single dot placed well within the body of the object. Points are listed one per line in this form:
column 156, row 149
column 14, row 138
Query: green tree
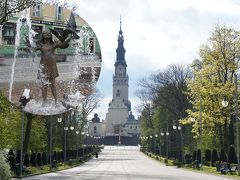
column 10, row 127
column 8, row 8
column 213, row 81
column 9, row 123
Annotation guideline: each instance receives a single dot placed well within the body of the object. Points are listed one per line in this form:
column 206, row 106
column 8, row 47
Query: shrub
column 194, row 156
column 39, row 159
column 223, row 156
column 26, row 160
column 4, row 168
column 18, row 156
column 199, row 155
column 70, row 163
column 214, row 157
column 44, row 158
column 62, row 155
column 188, row 159
column 33, row 159
column 179, row 164
column 59, row 158
column 54, row 155
column 232, row 158
column 11, row 160
column 207, row 163
column 207, row 155
column 166, row 161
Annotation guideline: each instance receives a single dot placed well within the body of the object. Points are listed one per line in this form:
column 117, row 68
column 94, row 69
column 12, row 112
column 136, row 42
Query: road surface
column 125, row 163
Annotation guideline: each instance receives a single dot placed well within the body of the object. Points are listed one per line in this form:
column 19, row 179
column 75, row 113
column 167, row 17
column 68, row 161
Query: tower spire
column 120, row 49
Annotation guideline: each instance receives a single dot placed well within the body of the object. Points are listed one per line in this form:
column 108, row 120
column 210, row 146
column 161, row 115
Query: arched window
column 118, row 93
column 95, row 130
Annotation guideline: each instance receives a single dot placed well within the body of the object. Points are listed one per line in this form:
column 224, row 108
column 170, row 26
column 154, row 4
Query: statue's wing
column 56, row 34
column 66, row 32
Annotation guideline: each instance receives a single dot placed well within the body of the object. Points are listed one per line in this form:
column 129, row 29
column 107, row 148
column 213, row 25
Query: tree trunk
column 28, row 132
column 232, row 131
column 226, row 136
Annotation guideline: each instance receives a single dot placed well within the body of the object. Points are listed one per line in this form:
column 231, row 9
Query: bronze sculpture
column 48, row 71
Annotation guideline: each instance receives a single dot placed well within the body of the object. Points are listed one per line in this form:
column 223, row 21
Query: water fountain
column 77, row 76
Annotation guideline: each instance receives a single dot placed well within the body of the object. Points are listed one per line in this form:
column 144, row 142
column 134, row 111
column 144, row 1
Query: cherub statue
column 47, row 71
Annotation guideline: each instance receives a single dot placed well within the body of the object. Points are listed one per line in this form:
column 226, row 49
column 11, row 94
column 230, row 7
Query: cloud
column 157, row 32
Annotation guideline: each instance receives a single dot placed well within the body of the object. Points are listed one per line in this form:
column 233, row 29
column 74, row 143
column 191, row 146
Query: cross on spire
column 120, row 23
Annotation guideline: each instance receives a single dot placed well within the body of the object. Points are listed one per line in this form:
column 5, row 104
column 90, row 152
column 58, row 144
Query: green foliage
column 10, row 123
column 38, row 138
column 146, row 120
column 10, row 127
column 213, row 81
column 4, row 168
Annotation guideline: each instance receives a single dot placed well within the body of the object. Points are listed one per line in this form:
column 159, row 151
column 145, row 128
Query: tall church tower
column 120, row 78
column 119, row 107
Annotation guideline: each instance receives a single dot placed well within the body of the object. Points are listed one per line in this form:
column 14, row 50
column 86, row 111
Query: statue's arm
column 29, row 50
column 37, row 49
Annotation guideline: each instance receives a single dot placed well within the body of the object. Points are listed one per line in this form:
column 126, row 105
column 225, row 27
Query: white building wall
column 101, row 128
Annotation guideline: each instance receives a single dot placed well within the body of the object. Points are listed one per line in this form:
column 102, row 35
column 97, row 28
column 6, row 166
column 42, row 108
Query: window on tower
column 95, row 130
column 118, row 93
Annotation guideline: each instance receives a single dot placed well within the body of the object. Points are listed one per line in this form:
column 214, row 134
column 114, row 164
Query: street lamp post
column 167, row 134
column 225, row 104
column 156, row 136
column 65, row 139
column 83, row 144
column 24, row 99
column 151, row 143
column 50, row 145
column 236, row 118
column 179, row 128
column 77, row 132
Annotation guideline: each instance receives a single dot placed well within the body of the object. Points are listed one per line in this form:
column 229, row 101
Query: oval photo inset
column 52, row 53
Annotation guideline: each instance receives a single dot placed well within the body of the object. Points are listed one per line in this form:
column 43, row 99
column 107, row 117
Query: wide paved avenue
column 120, row 163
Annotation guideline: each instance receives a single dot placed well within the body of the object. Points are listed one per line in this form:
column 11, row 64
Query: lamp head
column 59, row 120
column 224, row 102
column 25, row 98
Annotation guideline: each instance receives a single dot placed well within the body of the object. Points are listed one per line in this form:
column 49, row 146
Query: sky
column 157, row 33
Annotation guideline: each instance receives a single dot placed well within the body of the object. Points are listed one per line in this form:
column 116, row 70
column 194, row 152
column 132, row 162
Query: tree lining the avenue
column 37, row 137
column 191, row 97
column 10, row 7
